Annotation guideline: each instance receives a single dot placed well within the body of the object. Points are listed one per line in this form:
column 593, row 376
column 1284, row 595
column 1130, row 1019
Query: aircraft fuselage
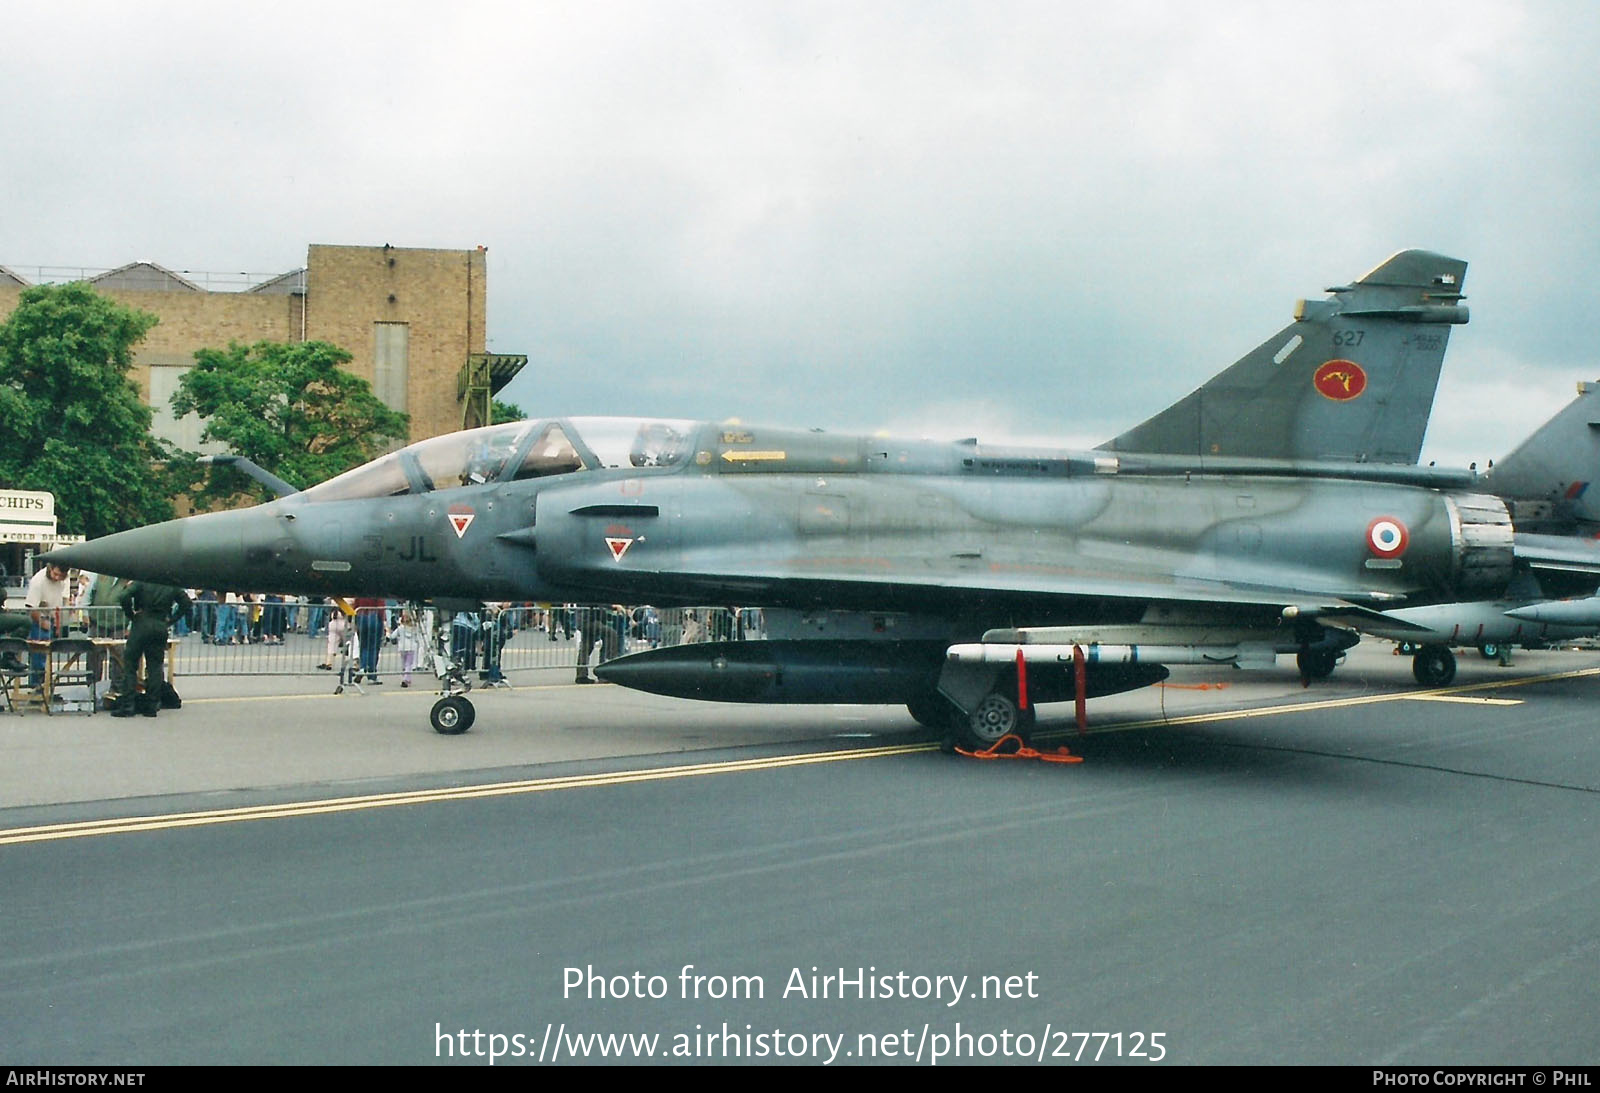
column 859, row 524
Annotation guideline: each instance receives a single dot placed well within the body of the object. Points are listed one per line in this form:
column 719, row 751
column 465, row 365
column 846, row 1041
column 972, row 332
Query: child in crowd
column 408, row 639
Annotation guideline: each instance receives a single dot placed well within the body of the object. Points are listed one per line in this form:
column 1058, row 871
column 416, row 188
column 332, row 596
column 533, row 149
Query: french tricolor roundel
column 1387, row 537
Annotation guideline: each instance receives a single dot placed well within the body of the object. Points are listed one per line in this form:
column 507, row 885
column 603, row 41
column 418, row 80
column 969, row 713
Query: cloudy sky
column 1024, row 220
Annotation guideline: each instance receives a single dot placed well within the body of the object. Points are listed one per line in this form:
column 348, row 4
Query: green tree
column 502, row 412
column 291, row 408
column 75, row 423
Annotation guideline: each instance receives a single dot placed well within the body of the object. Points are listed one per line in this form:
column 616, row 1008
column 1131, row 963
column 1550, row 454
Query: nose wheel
column 452, row 715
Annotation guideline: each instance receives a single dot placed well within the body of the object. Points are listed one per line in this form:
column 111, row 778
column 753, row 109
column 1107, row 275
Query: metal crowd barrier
column 291, row 639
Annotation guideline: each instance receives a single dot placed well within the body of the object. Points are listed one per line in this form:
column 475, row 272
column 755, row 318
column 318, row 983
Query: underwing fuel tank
column 1492, row 621
column 826, row 671
column 804, row 671
column 1579, row 613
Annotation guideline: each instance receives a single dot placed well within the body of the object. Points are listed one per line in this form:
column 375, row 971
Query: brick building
column 412, row 320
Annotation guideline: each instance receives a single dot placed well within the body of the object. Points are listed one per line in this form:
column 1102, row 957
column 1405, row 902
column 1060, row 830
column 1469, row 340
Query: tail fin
column 1351, row 379
column 1552, row 479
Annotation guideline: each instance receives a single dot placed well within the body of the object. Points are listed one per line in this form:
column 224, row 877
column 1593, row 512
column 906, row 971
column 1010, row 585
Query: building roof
column 145, row 277
column 285, row 284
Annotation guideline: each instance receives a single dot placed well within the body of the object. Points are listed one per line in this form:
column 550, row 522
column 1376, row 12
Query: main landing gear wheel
column 997, row 715
column 1316, row 663
column 452, row 715
column 1434, row 666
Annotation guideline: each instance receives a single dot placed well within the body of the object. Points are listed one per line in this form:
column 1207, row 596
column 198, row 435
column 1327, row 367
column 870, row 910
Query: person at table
column 47, row 595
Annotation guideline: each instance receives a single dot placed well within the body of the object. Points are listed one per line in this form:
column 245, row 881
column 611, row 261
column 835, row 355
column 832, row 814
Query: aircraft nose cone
column 149, row 553
column 198, row 552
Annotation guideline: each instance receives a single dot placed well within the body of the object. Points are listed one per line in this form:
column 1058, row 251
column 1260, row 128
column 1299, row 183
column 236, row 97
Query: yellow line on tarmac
column 125, row 825
column 1469, row 699
column 1441, row 693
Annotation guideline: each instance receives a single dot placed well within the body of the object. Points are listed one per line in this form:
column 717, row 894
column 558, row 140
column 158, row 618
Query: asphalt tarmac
column 1242, row 870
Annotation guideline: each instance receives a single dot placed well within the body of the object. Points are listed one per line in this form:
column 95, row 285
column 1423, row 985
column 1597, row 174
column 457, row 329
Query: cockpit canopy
column 515, row 451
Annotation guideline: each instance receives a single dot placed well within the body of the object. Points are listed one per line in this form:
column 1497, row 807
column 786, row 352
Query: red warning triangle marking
column 461, row 521
column 619, row 547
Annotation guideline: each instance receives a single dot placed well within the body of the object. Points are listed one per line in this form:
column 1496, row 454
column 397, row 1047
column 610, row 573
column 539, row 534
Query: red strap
column 1022, row 751
column 1080, row 684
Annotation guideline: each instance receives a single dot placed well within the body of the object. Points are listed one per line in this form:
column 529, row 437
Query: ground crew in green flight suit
column 151, row 608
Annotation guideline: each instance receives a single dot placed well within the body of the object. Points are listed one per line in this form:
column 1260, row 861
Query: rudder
column 1351, row 379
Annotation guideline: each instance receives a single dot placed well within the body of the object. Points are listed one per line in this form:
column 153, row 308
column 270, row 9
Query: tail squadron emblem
column 1339, row 380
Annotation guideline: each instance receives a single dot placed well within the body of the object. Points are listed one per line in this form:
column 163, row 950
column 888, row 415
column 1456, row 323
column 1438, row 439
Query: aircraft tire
column 1434, row 666
column 452, row 715
column 1316, row 664
column 996, row 716
column 1489, row 650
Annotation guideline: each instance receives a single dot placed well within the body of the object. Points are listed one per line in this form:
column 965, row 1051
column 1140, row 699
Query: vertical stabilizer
column 1351, row 379
column 1552, row 479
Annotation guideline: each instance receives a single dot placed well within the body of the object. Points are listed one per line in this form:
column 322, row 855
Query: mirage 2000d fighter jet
column 1263, row 514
